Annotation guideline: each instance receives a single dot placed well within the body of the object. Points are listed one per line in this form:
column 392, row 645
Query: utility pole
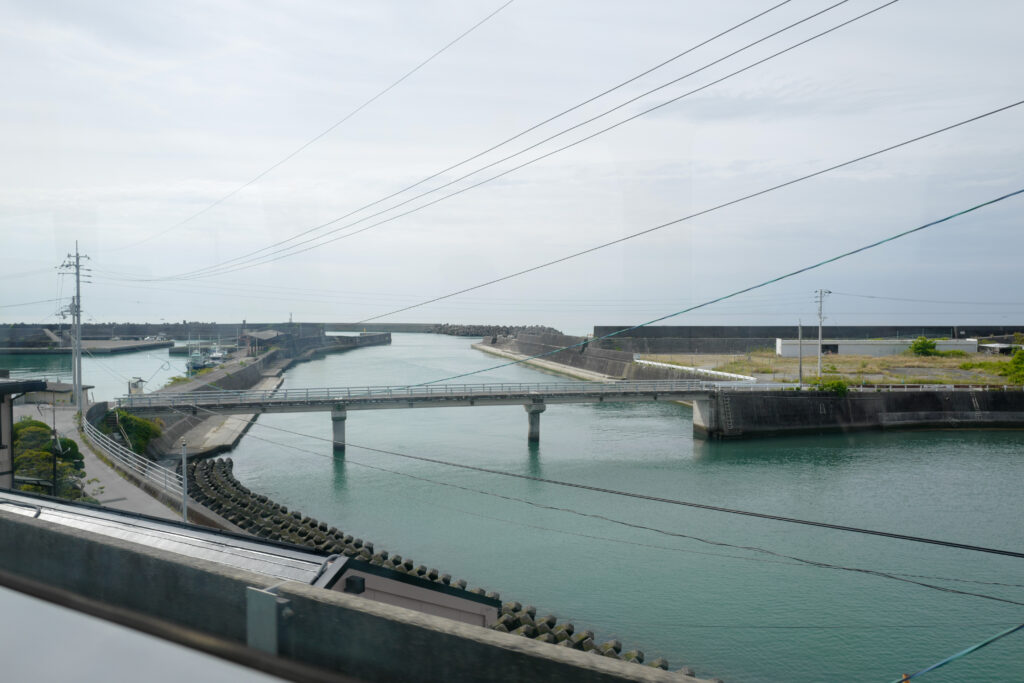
column 184, row 482
column 74, row 261
column 56, row 448
column 800, row 346
column 822, row 293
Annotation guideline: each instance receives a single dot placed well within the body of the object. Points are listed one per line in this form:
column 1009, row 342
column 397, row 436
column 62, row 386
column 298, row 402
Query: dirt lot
column 899, row 369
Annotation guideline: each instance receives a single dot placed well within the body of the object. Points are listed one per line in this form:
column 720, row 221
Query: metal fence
column 166, row 399
column 149, row 471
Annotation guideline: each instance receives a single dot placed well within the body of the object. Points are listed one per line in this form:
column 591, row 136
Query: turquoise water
column 108, row 373
column 735, row 614
column 731, row 613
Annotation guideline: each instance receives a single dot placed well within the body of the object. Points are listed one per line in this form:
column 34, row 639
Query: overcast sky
column 120, row 120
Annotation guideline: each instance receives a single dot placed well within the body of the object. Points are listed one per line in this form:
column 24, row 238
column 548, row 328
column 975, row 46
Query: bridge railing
column 157, row 475
column 320, row 395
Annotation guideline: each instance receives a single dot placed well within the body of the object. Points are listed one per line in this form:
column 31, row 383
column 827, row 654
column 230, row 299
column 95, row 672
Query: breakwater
column 491, row 330
column 747, row 338
column 264, row 372
column 213, row 485
column 744, row 414
column 581, row 356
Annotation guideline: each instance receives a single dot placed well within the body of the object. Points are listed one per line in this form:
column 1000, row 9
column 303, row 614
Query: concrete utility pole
column 822, row 293
column 74, row 261
column 800, row 347
column 184, row 482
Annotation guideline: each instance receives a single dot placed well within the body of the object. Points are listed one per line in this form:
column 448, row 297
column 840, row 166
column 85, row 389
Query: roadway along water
column 736, row 614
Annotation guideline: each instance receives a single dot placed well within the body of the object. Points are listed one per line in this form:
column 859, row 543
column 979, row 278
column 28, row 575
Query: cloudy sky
column 121, row 121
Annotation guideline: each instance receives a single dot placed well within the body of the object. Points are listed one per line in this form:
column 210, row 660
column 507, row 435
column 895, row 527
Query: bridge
column 338, row 401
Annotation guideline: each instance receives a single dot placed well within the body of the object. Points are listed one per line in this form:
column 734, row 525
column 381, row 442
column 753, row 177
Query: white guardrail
column 370, row 393
column 164, row 400
column 157, row 475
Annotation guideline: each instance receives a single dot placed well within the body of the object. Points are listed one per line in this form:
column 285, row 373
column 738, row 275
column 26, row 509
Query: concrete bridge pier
column 533, row 411
column 338, row 417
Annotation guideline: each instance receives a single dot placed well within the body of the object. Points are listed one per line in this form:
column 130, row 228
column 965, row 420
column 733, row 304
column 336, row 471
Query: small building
column 9, row 390
column 59, row 393
column 997, row 349
column 790, row 348
column 258, row 341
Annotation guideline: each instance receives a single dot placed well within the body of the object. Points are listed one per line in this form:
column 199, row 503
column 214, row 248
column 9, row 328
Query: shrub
column 33, row 438
column 1015, row 369
column 34, row 455
column 836, row 386
column 139, row 430
column 923, row 346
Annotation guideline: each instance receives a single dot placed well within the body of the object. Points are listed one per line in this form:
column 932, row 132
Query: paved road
column 110, row 488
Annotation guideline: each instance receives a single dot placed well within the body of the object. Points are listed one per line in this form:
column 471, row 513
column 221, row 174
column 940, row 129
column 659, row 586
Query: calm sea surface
column 676, row 582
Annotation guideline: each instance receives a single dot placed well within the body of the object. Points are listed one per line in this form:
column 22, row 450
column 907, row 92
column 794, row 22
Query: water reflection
column 340, row 471
column 534, row 469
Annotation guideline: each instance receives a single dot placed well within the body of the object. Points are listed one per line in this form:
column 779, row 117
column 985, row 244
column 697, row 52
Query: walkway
column 435, row 395
column 110, row 488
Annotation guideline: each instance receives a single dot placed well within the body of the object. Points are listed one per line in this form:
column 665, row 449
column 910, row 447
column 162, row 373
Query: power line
column 933, row 301
column 23, row 273
column 740, row 291
column 659, row 499
column 697, row 214
column 812, row 563
column 321, row 134
column 292, row 251
column 30, row 303
column 697, row 552
column 525, row 132
column 712, row 508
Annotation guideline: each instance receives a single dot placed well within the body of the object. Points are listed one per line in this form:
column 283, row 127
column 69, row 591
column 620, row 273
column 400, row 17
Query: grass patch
column 955, row 367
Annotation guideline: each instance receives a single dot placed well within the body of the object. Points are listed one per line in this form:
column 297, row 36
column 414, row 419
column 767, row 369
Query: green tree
column 1015, row 371
column 34, row 450
column 923, row 346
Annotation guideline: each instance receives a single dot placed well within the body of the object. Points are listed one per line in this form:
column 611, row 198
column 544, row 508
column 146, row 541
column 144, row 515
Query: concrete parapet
column 330, row 630
column 744, row 414
column 213, row 483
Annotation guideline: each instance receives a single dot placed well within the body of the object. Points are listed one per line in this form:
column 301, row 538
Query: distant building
column 259, row 341
column 790, row 348
column 999, row 349
column 56, row 392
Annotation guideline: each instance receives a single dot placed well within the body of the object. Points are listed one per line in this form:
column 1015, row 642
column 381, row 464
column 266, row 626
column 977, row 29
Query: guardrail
column 867, row 388
column 157, row 475
column 695, row 370
column 369, row 393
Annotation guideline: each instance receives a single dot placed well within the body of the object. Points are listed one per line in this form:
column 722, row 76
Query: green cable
column 958, row 655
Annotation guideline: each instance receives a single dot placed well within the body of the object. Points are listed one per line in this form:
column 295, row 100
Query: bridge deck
column 437, row 395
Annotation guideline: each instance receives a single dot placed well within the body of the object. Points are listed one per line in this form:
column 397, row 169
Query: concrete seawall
column 207, row 436
column 746, row 414
column 336, row 631
column 584, row 361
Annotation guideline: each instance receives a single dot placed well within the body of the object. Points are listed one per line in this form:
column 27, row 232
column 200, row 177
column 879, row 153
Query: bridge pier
column 338, row 417
column 533, row 411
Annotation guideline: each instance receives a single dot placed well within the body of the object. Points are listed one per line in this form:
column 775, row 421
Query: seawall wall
column 790, row 331
column 335, row 631
column 746, row 414
column 588, row 358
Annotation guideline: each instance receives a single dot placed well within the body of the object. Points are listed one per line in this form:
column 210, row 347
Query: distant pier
column 91, row 346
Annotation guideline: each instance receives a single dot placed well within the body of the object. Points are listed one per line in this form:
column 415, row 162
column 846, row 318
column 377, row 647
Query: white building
column 790, row 348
